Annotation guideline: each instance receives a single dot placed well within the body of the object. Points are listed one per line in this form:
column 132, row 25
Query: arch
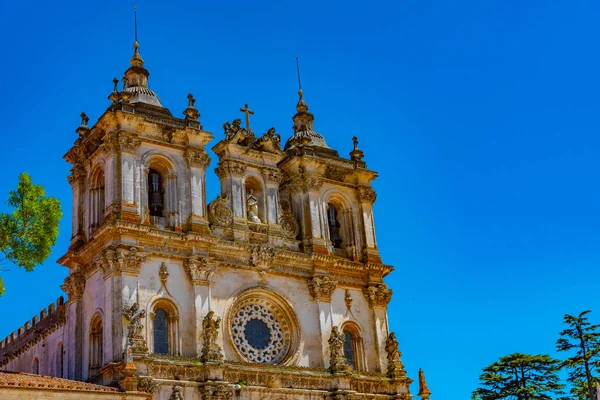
column 159, row 190
column 95, row 360
column 273, row 312
column 254, row 192
column 353, row 345
column 163, row 324
column 97, row 199
column 339, row 223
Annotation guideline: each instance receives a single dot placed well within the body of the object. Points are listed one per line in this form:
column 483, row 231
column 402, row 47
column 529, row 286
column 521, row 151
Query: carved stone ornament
column 200, row 269
column 74, row 285
column 121, row 259
column 289, row 226
column 305, row 183
column 219, row 212
column 366, row 194
column 378, row 295
column 395, row 368
column 348, row 300
column 211, row 351
column 134, row 316
column 321, row 288
column 336, row 174
column 177, row 393
column 196, row 157
column 147, row 384
column 338, row 364
column 272, row 175
column 215, row 391
column 191, row 112
column 269, row 142
column 228, row 167
column 262, row 257
column 77, row 174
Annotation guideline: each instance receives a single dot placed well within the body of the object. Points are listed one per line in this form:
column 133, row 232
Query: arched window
column 161, row 335
column 165, row 328
column 349, row 349
column 60, row 359
column 156, row 192
column 95, row 360
column 353, row 346
column 255, row 201
column 335, row 231
column 96, row 199
column 36, row 366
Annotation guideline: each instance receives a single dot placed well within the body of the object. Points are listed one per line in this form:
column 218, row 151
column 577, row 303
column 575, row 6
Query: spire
column 135, row 82
column 424, row 392
column 304, row 134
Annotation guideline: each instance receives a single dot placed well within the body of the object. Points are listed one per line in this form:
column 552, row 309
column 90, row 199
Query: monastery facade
column 272, row 290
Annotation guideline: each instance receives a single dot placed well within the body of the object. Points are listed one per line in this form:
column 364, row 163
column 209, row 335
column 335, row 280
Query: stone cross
column 248, row 112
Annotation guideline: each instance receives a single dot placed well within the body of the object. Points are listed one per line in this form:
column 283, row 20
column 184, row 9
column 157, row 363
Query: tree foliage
column 520, row 377
column 582, row 340
column 29, row 232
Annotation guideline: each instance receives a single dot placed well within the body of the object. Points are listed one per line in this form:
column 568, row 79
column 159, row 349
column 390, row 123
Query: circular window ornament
column 263, row 328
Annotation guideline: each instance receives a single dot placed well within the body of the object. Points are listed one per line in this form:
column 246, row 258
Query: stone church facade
column 272, row 290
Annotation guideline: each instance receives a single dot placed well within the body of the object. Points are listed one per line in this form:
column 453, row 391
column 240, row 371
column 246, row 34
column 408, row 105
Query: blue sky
column 481, row 118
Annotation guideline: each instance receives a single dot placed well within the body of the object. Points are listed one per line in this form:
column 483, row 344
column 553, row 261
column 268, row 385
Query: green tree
column 29, row 232
column 520, row 377
column 582, row 340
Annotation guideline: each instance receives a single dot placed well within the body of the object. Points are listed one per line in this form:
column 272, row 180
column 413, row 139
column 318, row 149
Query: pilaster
column 321, row 288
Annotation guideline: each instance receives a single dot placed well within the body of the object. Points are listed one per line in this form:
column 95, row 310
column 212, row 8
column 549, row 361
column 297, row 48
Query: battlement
column 48, row 320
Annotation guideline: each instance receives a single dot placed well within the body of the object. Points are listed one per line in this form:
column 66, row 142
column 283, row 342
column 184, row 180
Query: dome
column 141, row 94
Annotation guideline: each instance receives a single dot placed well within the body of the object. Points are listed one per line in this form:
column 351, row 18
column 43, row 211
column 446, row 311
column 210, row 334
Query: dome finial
column 136, row 59
column 301, row 106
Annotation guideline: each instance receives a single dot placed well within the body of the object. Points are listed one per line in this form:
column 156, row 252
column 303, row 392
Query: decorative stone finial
column 395, row 368
column 136, row 59
column 191, row 112
column 337, row 361
column 356, row 154
column 211, row 351
column 424, row 391
column 301, row 106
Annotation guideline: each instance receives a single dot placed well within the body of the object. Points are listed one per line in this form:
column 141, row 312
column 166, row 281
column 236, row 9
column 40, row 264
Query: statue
column 337, row 361
column 134, row 316
column 84, row 119
column 191, row 100
column 232, row 128
column 252, row 207
column 211, row 351
column 177, row 393
column 395, row 368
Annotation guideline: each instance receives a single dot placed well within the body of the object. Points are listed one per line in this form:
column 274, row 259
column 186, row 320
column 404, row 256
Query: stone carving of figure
column 134, row 316
column 176, row 394
column 211, row 351
column 252, row 207
column 337, row 360
column 395, row 367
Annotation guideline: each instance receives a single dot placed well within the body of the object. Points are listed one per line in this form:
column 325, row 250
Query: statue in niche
column 252, row 207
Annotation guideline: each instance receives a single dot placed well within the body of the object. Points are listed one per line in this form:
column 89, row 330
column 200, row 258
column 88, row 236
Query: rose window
column 261, row 327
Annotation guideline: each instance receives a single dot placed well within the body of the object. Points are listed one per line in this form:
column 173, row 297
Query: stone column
column 378, row 296
column 74, row 285
column 321, row 288
column 77, row 181
column 272, row 180
column 199, row 270
column 317, row 220
column 231, row 173
column 128, row 145
column 366, row 197
column 198, row 161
